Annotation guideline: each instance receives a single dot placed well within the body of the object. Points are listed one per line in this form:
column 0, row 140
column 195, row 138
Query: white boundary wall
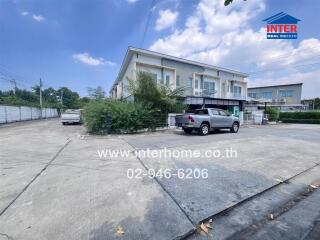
column 10, row 114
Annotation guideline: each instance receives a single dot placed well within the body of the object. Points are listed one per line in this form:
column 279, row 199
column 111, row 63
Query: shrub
column 119, row 117
column 307, row 121
column 146, row 90
column 273, row 113
column 300, row 117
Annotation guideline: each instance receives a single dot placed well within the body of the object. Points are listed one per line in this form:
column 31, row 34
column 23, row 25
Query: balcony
column 234, row 96
column 212, row 94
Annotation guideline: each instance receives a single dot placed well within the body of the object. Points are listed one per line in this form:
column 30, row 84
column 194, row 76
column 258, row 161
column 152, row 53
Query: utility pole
column 313, row 104
column 40, row 94
column 40, row 90
column 15, row 85
column 61, row 97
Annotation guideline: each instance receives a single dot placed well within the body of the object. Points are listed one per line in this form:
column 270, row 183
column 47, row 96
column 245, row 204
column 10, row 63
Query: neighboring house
column 284, row 97
column 205, row 85
column 311, row 104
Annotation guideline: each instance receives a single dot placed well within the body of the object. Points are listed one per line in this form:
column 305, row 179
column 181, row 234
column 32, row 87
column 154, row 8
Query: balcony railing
column 213, row 94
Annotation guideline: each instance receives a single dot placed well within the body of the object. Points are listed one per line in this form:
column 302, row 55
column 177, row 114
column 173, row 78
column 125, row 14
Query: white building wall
column 147, row 59
column 153, row 64
column 211, row 72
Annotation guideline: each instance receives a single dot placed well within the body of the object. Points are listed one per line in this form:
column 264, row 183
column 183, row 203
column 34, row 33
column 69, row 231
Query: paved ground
column 53, row 184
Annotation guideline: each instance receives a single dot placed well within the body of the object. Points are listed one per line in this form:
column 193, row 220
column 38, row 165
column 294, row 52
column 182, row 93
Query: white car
column 71, row 116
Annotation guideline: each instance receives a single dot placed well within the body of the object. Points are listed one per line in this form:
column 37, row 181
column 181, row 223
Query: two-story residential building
column 284, row 97
column 205, row 85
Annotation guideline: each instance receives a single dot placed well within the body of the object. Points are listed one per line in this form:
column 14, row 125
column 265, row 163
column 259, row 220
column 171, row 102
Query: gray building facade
column 204, row 85
column 278, row 94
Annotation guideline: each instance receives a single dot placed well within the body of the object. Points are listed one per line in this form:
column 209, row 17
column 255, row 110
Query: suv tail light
column 190, row 118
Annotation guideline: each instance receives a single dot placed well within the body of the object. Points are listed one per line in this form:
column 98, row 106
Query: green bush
column 299, row 115
column 273, row 113
column 120, row 117
column 306, row 121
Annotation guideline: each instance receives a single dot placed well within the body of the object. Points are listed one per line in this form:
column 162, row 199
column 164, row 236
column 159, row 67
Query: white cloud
column 24, row 13
column 132, row 1
column 222, row 36
column 85, row 58
column 167, row 18
column 38, row 18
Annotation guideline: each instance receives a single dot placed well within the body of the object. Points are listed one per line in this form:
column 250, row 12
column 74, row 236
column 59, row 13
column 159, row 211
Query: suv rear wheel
column 204, row 129
column 235, row 127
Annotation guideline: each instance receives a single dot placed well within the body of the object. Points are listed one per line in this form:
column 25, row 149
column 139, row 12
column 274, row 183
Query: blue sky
column 81, row 43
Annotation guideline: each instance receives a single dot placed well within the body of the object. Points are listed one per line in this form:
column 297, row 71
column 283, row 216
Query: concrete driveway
column 54, row 184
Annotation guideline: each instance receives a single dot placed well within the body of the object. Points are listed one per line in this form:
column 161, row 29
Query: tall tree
column 70, row 99
column 146, row 90
column 97, row 93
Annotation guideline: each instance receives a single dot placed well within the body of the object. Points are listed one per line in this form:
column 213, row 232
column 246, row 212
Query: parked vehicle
column 207, row 119
column 71, row 116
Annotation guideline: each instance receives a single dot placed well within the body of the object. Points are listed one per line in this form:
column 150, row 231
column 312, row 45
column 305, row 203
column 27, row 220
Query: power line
column 9, row 72
column 147, row 23
column 12, row 81
column 14, row 75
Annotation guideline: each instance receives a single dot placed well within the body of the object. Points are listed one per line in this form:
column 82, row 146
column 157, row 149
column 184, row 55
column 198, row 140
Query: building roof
column 132, row 50
column 282, row 18
column 281, row 85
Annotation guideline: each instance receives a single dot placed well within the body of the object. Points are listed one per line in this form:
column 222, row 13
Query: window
column 209, row 87
column 178, row 81
column 196, row 84
column 223, row 113
column 266, row 95
column 167, row 80
column 190, row 83
column 286, row 93
column 214, row 112
column 153, row 75
column 201, row 112
column 237, row 91
column 252, row 95
column 161, row 81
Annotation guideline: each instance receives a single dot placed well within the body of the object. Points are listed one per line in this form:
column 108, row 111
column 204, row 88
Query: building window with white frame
column 252, row 95
column 266, row 95
column 167, row 80
column 209, row 87
column 286, row 93
column 237, row 91
column 154, row 76
column 196, row 84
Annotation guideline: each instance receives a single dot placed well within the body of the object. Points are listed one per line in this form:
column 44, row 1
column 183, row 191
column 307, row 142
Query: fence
column 10, row 114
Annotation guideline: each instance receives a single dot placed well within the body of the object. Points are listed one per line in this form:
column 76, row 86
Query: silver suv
column 207, row 119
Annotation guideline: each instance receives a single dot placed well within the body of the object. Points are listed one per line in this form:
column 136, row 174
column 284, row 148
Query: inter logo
column 282, row 26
